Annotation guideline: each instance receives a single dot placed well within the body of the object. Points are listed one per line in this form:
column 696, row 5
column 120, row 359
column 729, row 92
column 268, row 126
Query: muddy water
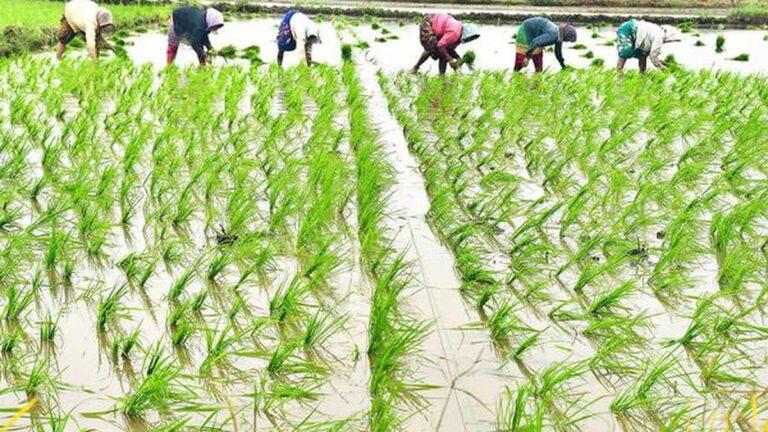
column 91, row 380
column 463, row 362
column 150, row 47
column 495, row 49
column 513, row 9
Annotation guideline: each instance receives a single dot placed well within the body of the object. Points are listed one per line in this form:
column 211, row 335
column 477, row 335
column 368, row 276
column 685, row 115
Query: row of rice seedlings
column 467, row 238
column 394, row 336
column 588, row 274
column 507, row 330
column 178, row 183
column 582, row 274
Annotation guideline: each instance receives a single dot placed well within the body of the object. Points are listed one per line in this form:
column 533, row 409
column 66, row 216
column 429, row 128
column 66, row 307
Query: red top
column 448, row 30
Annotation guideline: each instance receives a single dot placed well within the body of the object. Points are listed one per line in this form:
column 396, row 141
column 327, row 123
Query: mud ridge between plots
column 466, row 370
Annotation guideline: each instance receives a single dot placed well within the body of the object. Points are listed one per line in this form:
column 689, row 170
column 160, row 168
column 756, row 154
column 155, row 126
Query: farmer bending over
column 296, row 29
column 440, row 34
column 642, row 39
column 537, row 33
column 84, row 17
column 193, row 25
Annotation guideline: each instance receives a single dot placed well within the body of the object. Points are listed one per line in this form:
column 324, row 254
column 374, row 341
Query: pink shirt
column 448, row 30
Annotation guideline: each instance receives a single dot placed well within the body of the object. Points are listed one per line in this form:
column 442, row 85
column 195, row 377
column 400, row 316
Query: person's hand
column 413, row 71
column 454, row 64
column 525, row 62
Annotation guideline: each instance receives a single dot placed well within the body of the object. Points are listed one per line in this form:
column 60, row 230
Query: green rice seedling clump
column 720, row 44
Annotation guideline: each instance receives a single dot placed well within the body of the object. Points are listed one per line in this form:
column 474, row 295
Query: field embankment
column 741, row 16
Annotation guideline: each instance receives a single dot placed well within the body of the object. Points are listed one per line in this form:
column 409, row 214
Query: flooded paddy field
column 393, row 46
column 349, row 247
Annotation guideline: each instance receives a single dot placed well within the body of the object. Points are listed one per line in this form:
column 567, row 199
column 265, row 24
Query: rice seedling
column 321, row 327
column 640, row 396
column 181, row 283
column 560, row 230
column 720, row 44
column 17, row 301
column 515, row 412
column 109, row 306
column 346, row 52
column 158, row 389
column 198, row 301
column 253, row 54
column 123, row 344
column 48, row 329
column 227, row 52
column 9, row 340
column 217, row 265
column 38, row 378
column 287, row 302
column 181, row 333
column 218, row 346
column 611, row 298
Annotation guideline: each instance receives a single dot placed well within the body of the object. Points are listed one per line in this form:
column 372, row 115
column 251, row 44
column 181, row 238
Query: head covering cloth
column 567, row 33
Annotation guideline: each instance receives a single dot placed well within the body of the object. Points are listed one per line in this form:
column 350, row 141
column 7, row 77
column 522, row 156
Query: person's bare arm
column 308, row 51
column 280, row 54
column 424, row 56
column 643, row 62
column 656, row 53
column 559, row 55
column 90, row 40
column 455, row 58
column 202, row 57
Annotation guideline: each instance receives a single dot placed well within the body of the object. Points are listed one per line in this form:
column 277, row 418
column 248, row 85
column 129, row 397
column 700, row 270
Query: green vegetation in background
column 750, row 12
column 32, row 25
column 33, row 13
column 606, row 3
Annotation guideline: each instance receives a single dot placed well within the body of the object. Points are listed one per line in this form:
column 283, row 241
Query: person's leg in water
column 643, row 63
column 538, row 61
column 173, row 45
column 66, row 34
column 519, row 61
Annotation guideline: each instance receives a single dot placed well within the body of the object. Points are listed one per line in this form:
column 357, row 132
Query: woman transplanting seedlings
column 193, row 25
column 534, row 34
column 643, row 39
column 440, row 34
column 84, row 17
column 296, row 29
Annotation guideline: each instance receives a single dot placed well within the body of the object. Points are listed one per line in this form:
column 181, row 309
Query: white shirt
column 649, row 38
column 82, row 16
column 302, row 28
